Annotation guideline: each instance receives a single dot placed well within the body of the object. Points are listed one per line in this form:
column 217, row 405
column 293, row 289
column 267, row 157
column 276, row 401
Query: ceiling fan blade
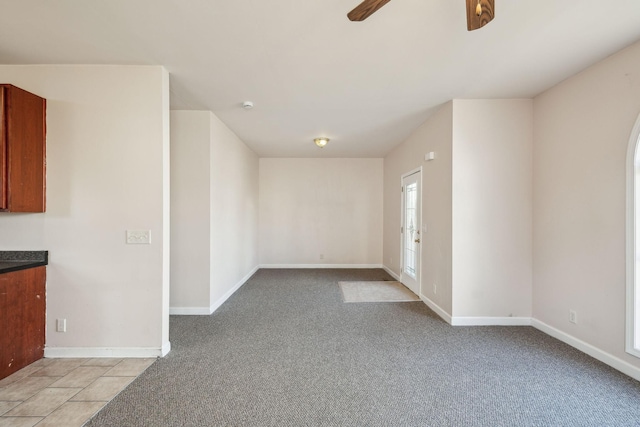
column 473, row 20
column 365, row 9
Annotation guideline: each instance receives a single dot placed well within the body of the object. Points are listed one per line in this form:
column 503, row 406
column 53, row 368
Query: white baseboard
column 606, row 358
column 94, row 352
column 596, row 353
column 475, row 321
column 206, row 311
column 231, row 291
column 189, row 311
column 435, row 307
column 321, row 266
column 391, row 272
column 491, row 321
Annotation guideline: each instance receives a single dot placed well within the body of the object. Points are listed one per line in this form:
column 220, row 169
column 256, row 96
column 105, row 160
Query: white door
column 410, row 231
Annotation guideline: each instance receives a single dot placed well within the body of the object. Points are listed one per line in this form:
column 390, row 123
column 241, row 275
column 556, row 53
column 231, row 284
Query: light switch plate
column 138, row 237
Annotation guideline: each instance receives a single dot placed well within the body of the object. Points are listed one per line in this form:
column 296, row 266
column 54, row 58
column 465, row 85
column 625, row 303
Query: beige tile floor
column 64, row 392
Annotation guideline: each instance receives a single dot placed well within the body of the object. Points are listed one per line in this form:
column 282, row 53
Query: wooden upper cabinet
column 22, row 150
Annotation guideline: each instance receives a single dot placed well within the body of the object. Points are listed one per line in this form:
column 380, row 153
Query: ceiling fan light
column 321, row 142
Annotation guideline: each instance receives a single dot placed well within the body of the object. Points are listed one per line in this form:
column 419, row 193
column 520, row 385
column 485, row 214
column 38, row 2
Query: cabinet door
column 25, row 150
column 22, row 315
column 3, row 151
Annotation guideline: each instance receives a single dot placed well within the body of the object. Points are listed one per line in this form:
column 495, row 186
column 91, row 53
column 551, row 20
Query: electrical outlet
column 138, row 237
column 61, row 325
column 573, row 317
column 321, row 256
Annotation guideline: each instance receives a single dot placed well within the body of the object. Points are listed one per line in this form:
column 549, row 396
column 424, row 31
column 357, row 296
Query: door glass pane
column 411, row 228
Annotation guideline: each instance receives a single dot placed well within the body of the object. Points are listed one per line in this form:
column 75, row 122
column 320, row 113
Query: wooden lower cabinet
column 22, row 316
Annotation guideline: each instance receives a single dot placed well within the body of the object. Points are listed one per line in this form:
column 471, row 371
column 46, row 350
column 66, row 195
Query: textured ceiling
column 310, row 71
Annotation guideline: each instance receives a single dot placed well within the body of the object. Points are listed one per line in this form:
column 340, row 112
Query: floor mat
column 387, row 291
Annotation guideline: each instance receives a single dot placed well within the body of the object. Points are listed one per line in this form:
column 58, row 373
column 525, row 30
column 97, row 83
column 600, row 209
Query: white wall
column 434, row 135
column 581, row 131
column 234, row 212
column 107, row 148
column 310, row 207
column 190, row 208
column 476, row 208
column 215, row 212
column 492, row 208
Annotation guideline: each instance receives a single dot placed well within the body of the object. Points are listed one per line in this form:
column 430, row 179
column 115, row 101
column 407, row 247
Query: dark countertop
column 21, row 260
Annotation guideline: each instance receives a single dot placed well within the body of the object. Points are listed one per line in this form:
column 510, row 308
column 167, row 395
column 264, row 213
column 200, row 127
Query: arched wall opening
column 633, row 243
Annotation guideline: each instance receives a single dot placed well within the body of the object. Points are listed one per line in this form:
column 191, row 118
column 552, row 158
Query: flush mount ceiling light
column 247, row 105
column 321, row 142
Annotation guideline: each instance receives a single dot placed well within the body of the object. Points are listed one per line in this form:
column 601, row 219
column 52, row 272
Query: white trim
column 596, row 353
column 231, row 291
column 632, row 347
column 206, row 311
column 402, row 227
column 391, row 272
column 411, row 172
column 321, row 266
column 438, row 310
column 475, row 321
column 491, row 321
column 166, row 348
column 189, row 311
column 91, row 352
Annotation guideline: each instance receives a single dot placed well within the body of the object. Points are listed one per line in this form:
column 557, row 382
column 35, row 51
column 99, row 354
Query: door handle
column 417, row 240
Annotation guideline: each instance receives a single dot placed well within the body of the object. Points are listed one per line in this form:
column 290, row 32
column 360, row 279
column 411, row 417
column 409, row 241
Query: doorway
column 410, row 230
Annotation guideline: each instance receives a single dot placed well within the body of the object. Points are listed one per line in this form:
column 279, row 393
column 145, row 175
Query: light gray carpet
column 285, row 351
